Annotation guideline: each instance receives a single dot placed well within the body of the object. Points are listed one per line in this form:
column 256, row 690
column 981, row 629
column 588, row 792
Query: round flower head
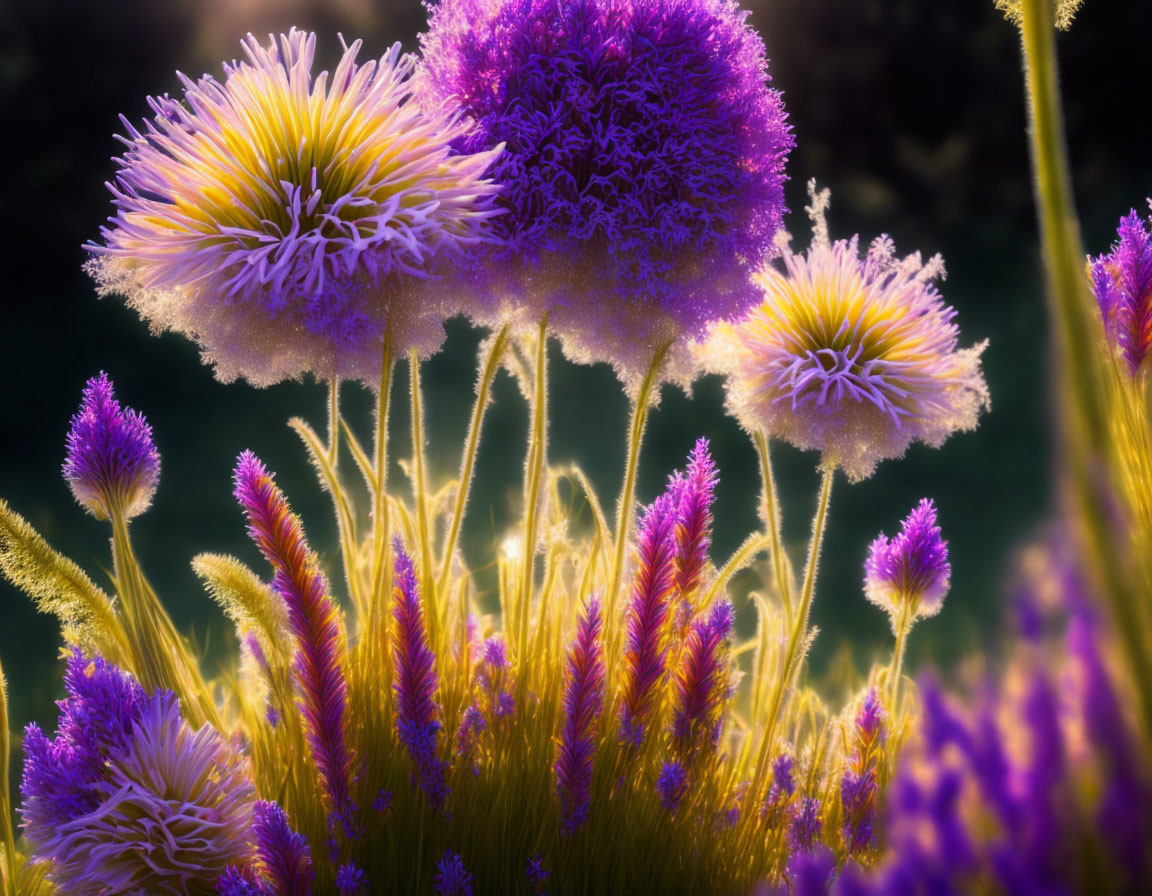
column 128, row 798
column 284, row 221
column 855, row 357
column 910, row 571
column 112, row 464
column 642, row 177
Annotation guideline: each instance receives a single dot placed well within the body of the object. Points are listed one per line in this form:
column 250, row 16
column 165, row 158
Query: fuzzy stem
column 5, row 795
column 903, row 627
column 792, row 653
column 483, row 394
column 333, row 420
column 624, row 509
column 537, row 450
column 1078, row 362
column 380, row 520
column 772, row 522
column 420, row 489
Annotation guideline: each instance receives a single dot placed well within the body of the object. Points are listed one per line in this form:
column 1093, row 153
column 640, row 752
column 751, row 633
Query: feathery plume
column 859, row 786
column 696, row 490
column 646, row 622
column 583, row 700
column 910, row 571
column 1122, row 283
column 313, row 619
column 283, row 857
column 702, row 683
column 112, row 464
column 415, row 684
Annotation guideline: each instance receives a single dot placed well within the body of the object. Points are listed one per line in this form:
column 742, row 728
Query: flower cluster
column 1122, row 283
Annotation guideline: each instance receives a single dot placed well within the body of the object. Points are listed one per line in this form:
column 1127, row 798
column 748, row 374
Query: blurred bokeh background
column 912, row 112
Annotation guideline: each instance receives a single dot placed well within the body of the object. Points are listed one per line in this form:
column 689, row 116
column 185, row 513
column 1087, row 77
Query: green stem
column 1078, row 362
column 772, row 522
column 533, row 470
column 483, row 392
column 624, row 510
column 799, row 631
column 420, row 488
column 5, row 795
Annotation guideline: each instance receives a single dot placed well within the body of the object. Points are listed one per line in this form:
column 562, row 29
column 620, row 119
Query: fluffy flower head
column 912, row 569
column 1122, row 283
column 112, row 464
column 643, row 170
column 281, row 219
column 853, row 356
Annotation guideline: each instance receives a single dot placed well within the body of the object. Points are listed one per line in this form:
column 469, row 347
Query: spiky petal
column 644, row 165
column 282, row 220
column 852, row 356
column 910, row 571
column 646, row 624
column 1122, row 282
column 313, row 618
column 583, row 701
column 283, row 856
column 112, row 464
column 452, row 878
column 695, row 493
column 702, row 683
column 417, row 714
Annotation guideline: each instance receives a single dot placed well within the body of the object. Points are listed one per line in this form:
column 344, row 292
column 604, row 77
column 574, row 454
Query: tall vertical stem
column 420, row 488
column 534, row 468
column 628, row 491
column 380, row 521
column 5, row 795
column 483, row 392
column 772, row 517
column 895, row 670
column 333, row 420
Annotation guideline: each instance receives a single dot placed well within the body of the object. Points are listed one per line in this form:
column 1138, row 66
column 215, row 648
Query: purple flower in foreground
column 702, row 682
column 282, row 855
column 583, row 700
column 351, row 880
column 911, row 571
column 852, row 356
column 281, row 219
column 643, row 170
column 1122, row 282
column 695, row 491
column 128, row 798
column 112, row 464
column 452, row 879
column 804, row 828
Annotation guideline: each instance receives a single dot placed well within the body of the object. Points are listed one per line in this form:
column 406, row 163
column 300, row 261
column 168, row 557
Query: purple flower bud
column 910, row 571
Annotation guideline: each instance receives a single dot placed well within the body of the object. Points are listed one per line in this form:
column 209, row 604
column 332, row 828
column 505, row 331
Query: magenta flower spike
column 284, row 219
column 583, row 701
column 695, row 493
column 859, row 785
column 702, row 683
column 1122, row 283
column 638, row 197
column 910, row 571
column 283, row 856
column 646, row 623
column 313, row 618
column 112, row 465
column 417, row 713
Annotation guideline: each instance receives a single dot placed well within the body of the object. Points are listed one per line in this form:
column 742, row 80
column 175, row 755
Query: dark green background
column 911, row 111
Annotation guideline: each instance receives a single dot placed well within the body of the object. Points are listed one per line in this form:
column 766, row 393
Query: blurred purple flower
column 1122, row 282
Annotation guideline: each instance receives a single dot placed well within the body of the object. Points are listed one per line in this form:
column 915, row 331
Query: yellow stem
column 483, row 391
column 380, row 521
column 772, row 522
column 5, row 795
column 333, row 420
column 781, row 693
column 903, row 626
column 533, row 470
column 624, row 509
column 420, row 488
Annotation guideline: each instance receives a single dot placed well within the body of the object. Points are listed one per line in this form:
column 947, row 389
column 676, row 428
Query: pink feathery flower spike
column 1122, row 283
column 646, row 621
column 695, row 492
column 583, row 700
column 702, row 682
column 312, row 617
column 415, row 685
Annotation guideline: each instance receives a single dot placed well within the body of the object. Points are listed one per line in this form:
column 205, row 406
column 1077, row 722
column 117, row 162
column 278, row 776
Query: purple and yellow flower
column 910, row 572
column 583, row 700
column 860, row 784
column 282, row 220
column 702, row 683
column 127, row 797
column 417, row 711
column 1122, row 283
column 694, row 491
column 313, row 618
column 283, row 859
column 852, row 356
column 643, row 170
column 112, row 465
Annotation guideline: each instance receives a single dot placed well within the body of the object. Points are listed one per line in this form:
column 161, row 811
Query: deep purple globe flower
column 112, row 465
column 643, row 170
